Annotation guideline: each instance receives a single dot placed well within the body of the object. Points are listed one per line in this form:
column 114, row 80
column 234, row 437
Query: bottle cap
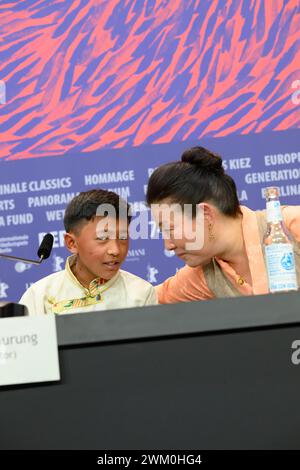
column 272, row 192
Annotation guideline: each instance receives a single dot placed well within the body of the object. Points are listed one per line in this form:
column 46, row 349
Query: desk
column 199, row 375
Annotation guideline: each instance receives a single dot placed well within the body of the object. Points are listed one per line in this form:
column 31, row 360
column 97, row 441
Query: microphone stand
column 9, row 309
column 43, row 251
column 16, row 258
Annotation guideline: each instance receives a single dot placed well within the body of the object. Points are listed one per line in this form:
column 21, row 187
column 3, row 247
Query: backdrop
column 97, row 93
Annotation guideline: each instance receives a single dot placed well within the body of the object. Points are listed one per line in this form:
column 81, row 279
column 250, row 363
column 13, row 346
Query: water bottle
column 278, row 247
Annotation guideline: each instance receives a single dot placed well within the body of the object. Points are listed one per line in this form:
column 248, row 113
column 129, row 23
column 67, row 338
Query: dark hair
column 198, row 177
column 83, row 207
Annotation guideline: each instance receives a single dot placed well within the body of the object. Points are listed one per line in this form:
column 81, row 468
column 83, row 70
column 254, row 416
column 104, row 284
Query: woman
column 230, row 262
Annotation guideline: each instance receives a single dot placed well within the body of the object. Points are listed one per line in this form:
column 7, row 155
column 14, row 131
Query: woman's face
column 190, row 237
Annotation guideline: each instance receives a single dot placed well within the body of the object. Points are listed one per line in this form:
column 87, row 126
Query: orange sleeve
column 291, row 215
column 188, row 284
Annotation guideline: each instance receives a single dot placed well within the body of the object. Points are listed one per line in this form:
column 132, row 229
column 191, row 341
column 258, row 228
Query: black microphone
column 43, row 251
column 45, row 247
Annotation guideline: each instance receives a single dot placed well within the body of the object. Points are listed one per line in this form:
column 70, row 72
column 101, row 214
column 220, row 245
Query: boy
column 92, row 279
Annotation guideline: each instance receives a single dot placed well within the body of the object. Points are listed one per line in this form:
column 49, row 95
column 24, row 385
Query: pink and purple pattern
column 83, row 75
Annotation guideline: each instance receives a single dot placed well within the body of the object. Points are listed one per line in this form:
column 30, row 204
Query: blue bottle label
column 281, row 267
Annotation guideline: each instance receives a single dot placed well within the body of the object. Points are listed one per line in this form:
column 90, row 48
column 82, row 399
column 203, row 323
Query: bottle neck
column 274, row 215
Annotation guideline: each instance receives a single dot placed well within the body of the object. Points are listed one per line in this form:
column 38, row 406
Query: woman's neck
column 233, row 249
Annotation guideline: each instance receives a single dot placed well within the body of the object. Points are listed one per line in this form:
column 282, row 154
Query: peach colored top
column 189, row 283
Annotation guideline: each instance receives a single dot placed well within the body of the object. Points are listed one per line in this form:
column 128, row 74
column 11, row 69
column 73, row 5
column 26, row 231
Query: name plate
column 28, row 350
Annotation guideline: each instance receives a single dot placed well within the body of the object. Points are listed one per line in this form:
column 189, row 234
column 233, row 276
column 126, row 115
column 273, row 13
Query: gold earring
column 211, row 236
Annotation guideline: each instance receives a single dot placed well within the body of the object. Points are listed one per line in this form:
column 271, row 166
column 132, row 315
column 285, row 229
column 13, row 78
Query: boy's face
column 101, row 246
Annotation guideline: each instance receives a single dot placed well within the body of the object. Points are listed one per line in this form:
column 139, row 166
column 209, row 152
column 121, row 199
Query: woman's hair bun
column 204, row 159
